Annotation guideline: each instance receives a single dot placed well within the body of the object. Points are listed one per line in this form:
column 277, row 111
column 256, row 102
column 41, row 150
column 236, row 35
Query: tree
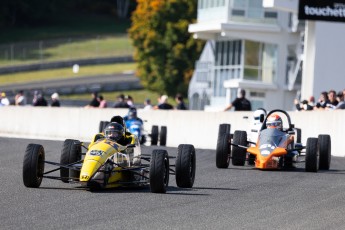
column 165, row 51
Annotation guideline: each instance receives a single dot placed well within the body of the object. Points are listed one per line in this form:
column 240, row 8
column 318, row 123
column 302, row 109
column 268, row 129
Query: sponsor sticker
column 96, row 152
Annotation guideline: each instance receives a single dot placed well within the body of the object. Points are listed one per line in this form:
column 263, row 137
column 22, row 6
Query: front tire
column 159, row 171
column 33, row 165
column 238, row 153
column 312, row 155
column 223, row 128
column 163, row 136
column 70, row 153
column 324, row 142
column 185, row 166
column 223, row 151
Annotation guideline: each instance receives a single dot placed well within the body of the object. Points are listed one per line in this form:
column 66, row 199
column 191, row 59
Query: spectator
column 94, row 103
column 55, row 100
column 129, row 100
column 120, row 102
column 147, row 104
column 180, row 103
column 164, row 103
column 20, row 98
column 240, row 103
column 332, row 97
column 102, row 102
column 305, row 105
column 340, row 98
column 39, row 99
column 323, row 100
column 4, row 100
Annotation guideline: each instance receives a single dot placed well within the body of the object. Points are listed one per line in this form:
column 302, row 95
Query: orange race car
column 275, row 147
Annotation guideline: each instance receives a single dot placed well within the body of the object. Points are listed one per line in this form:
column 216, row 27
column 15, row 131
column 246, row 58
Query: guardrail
column 184, row 127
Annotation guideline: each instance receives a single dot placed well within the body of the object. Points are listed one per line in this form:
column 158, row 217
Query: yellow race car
column 108, row 164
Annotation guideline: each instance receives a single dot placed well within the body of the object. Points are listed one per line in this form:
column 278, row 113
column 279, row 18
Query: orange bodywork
column 267, row 162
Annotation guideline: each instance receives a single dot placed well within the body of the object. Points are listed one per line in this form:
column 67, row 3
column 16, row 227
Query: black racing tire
column 238, row 153
column 163, row 136
column 223, row 128
column 185, row 166
column 154, row 135
column 223, row 151
column 325, row 147
column 312, row 155
column 251, row 159
column 159, row 171
column 298, row 133
column 33, row 165
column 70, row 153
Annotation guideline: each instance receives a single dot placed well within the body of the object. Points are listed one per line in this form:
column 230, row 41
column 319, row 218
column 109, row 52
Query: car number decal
column 96, row 152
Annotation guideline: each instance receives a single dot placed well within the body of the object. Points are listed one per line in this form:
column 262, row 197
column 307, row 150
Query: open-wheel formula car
column 275, row 148
column 107, row 164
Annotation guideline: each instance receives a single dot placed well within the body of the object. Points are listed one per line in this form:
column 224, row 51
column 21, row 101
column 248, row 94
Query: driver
column 274, row 123
column 116, row 132
column 132, row 115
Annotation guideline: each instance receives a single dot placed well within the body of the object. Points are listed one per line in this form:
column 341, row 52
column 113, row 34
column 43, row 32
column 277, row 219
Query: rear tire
column 238, row 153
column 324, row 142
column 223, row 151
column 159, row 171
column 33, row 165
column 163, row 136
column 70, row 153
column 312, row 155
column 154, row 135
column 185, row 166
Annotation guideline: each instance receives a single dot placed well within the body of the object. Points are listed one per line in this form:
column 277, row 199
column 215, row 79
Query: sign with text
column 323, row 10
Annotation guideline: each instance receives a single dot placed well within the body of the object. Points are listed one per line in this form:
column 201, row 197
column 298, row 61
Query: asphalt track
column 233, row 198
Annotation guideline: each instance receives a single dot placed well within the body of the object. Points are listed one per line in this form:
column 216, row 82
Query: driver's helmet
column 274, row 121
column 114, row 131
column 132, row 113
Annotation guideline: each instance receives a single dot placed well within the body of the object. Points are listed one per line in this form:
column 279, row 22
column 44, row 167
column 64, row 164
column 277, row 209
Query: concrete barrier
column 184, row 127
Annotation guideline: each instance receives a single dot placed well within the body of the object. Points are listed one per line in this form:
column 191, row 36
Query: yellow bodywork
column 99, row 150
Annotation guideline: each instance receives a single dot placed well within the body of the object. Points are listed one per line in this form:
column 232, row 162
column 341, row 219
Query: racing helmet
column 274, row 121
column 114, row 131
column 132, row 113
column 258, row 113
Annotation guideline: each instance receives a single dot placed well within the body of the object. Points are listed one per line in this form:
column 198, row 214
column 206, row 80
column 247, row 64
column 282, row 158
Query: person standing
column 94, row 103
column 164, row 103
column 4, row 100
column 20, row 98
column 240, row 103
column 55, row 100
column 120, row 102
column 147, row 104
column 180, row 102
column 102, row 102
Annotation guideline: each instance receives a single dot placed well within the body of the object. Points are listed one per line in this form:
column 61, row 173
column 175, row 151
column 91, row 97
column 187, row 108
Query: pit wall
column 184, row 127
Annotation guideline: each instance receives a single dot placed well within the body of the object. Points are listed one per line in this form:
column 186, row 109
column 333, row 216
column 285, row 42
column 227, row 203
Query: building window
column 260, row 61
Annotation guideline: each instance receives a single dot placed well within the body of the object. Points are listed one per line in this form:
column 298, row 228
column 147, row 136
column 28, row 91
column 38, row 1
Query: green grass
column 23, row 77
column 67, row 26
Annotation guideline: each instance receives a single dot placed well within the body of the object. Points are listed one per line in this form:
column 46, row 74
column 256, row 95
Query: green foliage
column 164, row 49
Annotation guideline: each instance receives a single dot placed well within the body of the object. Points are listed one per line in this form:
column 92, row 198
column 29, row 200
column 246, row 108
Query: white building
column 258, row 46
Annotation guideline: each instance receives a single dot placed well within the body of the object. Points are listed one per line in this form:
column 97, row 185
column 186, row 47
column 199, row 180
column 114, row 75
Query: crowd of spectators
column 330, row 100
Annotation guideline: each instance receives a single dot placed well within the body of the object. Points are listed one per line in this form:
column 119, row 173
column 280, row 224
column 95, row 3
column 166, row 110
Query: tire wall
column 198, row 128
